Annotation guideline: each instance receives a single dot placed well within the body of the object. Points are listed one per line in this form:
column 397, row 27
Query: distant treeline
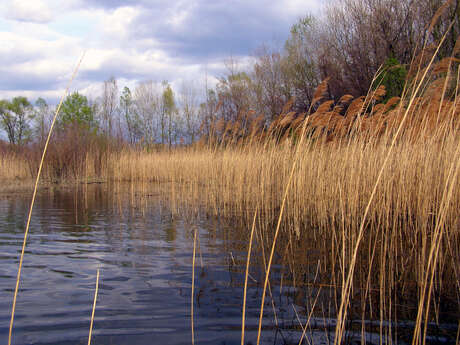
column 348, row 43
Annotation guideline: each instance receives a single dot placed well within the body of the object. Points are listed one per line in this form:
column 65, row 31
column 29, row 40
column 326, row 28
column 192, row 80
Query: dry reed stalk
column 192, row 298
column 457, row 338
column 347, row 286
column 310, row 314
column 427, row 287
column 246, row 278
column 34, row 195
column 260, row 240
column 94, row 308
column 278, row 225
column 438, row 15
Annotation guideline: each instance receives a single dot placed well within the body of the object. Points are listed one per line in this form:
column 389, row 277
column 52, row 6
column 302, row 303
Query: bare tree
column 356, row 37
column 270, row 86
column 148, row 100
column 188, row 101
column 43, row 118
column 109, row 104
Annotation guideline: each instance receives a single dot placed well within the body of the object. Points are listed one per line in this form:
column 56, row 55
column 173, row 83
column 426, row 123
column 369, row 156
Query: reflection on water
column 144, row 253
column 143, row 244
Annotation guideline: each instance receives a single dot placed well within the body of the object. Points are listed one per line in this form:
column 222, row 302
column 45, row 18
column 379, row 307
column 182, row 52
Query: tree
column 131, row 118
column 299, row 66
column 188, row 99
column 77, row 111
column 234, row 93
column 169, row 114
column 147, row 101
column 42, row 119
column 15, row 119
column 272, row 91
column 393, row 78
column 208, row 113
column 356, row 37
column 108, row 105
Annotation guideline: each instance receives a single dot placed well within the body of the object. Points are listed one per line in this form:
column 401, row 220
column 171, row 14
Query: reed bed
column 13, row 167
column 331, row 186
column 404, row 254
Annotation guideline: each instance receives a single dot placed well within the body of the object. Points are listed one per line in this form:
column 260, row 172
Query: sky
column 133, row 41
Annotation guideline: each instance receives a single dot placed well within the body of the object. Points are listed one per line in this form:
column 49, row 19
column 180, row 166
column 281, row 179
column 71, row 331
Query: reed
column 243, row 313
column 94, row 308
column 192, row 297
column 37, row 180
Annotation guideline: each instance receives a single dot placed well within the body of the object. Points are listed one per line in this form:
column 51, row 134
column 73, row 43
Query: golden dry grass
column 13, row 167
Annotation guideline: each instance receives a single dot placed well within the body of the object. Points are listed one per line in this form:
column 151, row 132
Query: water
column 142, row 242
column 144, row 254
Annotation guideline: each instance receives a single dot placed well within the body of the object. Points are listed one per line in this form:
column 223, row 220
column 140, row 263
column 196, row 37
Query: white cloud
column 297, row 8
column 116, row 24
column 35, row 11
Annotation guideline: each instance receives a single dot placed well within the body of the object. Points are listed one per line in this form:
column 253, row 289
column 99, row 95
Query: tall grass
column 331, row 186
column 411, row 149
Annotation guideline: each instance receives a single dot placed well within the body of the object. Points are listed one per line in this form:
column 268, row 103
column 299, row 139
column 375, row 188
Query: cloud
column 133, row 40
column 35, row 11
column 204, row 29
column 115, row 24
column 209, row 29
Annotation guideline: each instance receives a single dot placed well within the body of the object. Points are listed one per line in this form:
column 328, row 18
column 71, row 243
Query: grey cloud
column 20, row 55
column 211, row 29
column 108, row 71
column 12, row 80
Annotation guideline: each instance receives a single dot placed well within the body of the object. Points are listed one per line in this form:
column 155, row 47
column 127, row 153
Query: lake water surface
column 141, row 240
column 144, row 254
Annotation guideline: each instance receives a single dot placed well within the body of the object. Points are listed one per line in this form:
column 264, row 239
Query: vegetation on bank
column 349, row 43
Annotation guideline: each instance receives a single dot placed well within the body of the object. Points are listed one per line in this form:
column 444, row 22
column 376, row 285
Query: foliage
column 393, row 78
column 130, row 117
column 76, row 110
column 169, row 112
column 15, row 116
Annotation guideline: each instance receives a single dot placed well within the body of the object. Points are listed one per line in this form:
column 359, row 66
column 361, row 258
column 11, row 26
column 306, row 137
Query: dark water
column 144, row 254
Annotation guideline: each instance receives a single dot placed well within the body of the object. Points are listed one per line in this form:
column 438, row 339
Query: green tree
column 15, row 119
column 169, row 110
column 393, row 78
column 77, row 111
